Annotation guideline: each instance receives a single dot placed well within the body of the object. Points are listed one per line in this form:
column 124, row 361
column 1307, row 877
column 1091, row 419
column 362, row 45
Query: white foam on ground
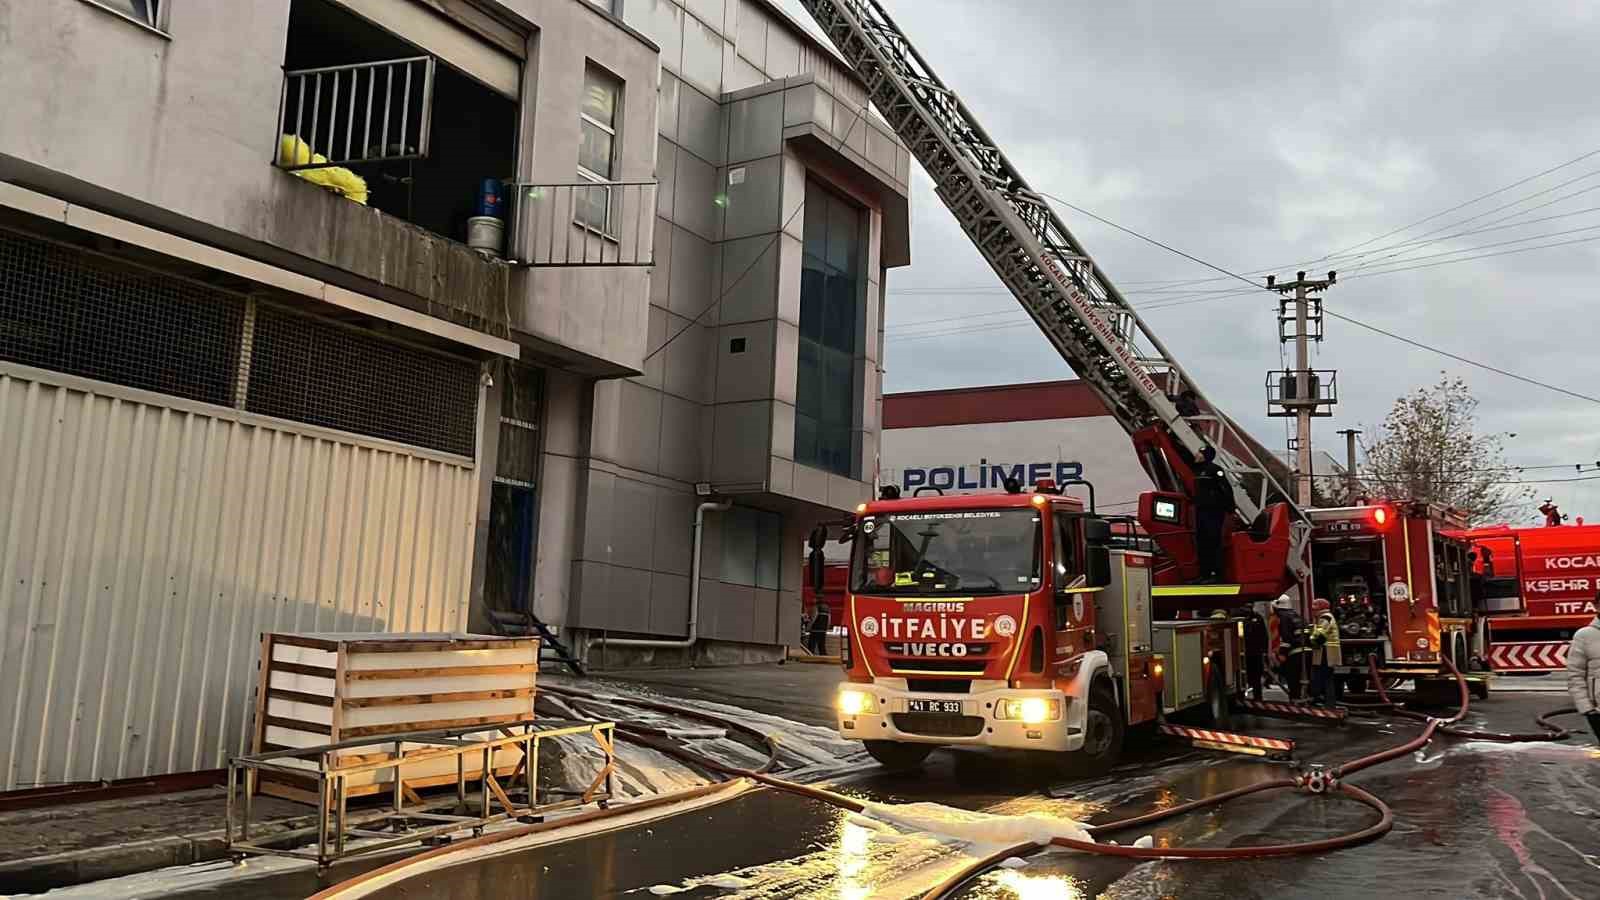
column 972, row 827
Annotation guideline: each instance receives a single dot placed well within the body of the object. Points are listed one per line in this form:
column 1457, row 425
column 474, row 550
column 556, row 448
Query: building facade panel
column 148, row 541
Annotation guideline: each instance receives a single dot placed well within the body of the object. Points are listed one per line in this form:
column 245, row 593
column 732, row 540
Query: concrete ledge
column 42, row 873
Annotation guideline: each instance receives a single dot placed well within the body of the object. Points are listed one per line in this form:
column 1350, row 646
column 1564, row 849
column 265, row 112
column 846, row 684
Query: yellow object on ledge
column 294, row 151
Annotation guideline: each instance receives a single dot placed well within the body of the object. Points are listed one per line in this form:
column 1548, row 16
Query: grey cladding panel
column 749, row 279
column 755, row 127
column 753, row 193
column 700, row 125
column 683, row 439
column 740, row 454
column 633, row 531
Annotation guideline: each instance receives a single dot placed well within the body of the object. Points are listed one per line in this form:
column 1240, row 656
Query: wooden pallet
column 316, row 689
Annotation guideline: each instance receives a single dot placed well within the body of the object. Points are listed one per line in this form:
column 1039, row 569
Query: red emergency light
column 1382, row 516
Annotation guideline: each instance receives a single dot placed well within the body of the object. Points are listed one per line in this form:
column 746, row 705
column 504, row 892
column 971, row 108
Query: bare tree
column 1429, row 448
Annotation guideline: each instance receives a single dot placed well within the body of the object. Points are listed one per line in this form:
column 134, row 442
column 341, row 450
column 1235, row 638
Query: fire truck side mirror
column 1097, row 566
column 1096, row 532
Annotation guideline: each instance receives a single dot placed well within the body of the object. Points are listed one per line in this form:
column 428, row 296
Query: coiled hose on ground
column 1317, row 781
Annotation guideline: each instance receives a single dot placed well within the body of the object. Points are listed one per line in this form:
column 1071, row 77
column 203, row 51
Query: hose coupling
column 1317, row 779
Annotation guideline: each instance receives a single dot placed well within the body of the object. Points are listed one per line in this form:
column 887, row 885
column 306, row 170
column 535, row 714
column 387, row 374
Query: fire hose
column 654, row 738
column 1319, row 780
column 1551, row 732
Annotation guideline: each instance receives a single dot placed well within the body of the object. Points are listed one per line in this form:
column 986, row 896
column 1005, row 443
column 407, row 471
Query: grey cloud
column 1255, row 134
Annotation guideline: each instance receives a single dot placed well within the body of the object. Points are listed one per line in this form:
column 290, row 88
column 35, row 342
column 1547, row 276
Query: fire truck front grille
column 940, row 685
column 938, row 725
column 953, row 666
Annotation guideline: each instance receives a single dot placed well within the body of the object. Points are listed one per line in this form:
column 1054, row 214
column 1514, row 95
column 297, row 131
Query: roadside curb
column 816, row 660
column 36, row 874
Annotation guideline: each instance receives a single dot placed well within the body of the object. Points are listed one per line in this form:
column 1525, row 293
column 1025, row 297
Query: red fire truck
column 1398, row 577
column 1019, row 620
column 1536, row 586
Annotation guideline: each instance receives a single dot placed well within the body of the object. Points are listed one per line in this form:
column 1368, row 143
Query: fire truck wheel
column 1479, row 688
column 1217, row 708
column 1104, row 731
column 897, row 757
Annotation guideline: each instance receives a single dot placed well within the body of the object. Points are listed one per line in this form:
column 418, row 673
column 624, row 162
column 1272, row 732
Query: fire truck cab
column 1016, row 620
column 1536, row 587
column 1399, row 580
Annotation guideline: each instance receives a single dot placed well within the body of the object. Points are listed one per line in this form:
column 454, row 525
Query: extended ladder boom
column 1082, row 314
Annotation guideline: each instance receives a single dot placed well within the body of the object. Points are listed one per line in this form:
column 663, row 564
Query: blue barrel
column 489, row 198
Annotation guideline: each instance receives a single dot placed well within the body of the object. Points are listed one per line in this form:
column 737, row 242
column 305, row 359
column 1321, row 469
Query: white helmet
column 1283, row 602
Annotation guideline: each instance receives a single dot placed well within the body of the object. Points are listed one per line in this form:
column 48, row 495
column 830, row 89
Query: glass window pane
column 808, row 379
column 834, row 448
column 813, row 287
column 805, row 440
column 143, row 10
column 768, row 541
column 843, row 223
column 816, row 220
column 839, row 316
column 836, row 388
column 594, row 151
column 594, row 207
column 739, row 546
column 600, row 97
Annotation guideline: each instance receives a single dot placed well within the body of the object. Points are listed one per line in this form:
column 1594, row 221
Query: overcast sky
column 1264, row 134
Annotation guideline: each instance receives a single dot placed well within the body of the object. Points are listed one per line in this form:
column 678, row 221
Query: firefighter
column 1188, row 405
column 1255, row 651
column 819, row 627
column 1583, row 672
column 1291, row 645
column 1212, row 502
column 1325, row 654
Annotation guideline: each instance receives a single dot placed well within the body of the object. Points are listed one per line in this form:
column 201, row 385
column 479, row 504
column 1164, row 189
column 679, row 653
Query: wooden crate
column 325, row 688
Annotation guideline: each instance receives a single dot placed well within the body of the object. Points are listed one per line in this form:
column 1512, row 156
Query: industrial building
column 381, row 315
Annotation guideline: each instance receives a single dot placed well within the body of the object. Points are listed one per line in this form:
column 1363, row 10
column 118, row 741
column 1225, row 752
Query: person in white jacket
column 1583, row 673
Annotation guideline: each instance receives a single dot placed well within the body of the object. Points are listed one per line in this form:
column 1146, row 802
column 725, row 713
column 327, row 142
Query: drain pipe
column 694, row 589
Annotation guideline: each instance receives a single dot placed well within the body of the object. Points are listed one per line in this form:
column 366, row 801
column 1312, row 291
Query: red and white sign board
column 1543, row 656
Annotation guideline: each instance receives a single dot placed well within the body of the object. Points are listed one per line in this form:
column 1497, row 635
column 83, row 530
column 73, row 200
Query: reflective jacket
column 1583, row 668
column 1325, row 642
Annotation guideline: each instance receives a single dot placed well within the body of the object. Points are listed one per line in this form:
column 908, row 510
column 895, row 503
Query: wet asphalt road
column 1472, row 819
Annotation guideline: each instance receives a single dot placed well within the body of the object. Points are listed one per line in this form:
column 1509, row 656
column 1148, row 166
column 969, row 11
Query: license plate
column 934, row 706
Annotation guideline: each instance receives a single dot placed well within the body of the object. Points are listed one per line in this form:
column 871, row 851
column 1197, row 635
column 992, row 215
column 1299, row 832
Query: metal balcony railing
column 367, row 112
column 582, row 223
column 1286, row 397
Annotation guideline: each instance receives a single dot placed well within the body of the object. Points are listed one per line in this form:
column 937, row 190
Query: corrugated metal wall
column 146, row 542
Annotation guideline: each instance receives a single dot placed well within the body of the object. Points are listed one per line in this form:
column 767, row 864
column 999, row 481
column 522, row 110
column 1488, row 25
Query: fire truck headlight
column 854, row 703
column 1033, row 711
column 1029, row 710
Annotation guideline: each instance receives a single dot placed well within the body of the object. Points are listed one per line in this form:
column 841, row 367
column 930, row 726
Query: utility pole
column 1301, row 392
column 1352, row 486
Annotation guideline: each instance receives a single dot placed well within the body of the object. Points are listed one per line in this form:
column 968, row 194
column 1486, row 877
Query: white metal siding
column 146, row 542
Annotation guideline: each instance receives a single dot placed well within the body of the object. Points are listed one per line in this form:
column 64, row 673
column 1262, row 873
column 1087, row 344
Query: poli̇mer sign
column 984, row 475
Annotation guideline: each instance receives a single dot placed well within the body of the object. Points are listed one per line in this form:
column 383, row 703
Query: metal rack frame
column 333, row 786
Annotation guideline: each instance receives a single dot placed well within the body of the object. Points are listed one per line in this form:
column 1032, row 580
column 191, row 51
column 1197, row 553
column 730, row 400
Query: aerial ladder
column 1083, row 315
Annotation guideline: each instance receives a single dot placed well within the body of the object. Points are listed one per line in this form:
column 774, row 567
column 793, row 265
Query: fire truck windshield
column 956, row 551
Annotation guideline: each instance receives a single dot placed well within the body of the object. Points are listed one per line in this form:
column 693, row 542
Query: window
column 751, row 546
column 514, row 500
column 830, row 331
column 1069, row 569
column 142, row 11
column 597, row 147
column 965, row 552
column 611, row 6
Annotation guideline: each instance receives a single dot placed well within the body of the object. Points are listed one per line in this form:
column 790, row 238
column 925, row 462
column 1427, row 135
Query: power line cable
column 1341, row 317
column 1458, row 358
column 1515, row 184
column 1403, row 268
